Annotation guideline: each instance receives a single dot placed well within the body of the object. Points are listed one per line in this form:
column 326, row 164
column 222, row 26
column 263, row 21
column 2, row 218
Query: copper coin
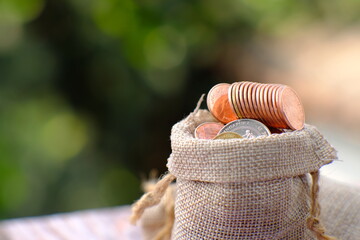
column 259, row 101
column 252, row 105
column 218, row 103
column 292, row 109
column 273, row 105
column 276, row 100
column 232, row 100
column 271, row 92
column 234, row 93
column 227, row 135
column 250, row 110
column 247, row 128
column 264, row 107
column 260, row 106
column 245, row 100
column 256, row 103
column 275, row 119
column 253, row 101
column 238, row 96
column 270, row 108
column 208, row 130
column 235, row 96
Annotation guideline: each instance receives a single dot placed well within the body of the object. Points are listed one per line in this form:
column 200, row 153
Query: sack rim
column 232, row 160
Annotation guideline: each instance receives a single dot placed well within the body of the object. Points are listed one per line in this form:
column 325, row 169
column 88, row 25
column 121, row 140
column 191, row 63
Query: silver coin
column 247, row 128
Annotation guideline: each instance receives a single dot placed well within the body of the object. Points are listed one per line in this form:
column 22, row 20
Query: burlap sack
column 246, row 188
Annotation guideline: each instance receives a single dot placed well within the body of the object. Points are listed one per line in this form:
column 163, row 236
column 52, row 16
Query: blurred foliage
column 89, row 89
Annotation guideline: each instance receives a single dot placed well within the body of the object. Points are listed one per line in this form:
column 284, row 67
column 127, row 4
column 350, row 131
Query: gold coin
column 227, row 135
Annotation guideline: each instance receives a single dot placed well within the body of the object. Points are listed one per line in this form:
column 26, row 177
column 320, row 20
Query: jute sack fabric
column 340, row 204
column 246, row 188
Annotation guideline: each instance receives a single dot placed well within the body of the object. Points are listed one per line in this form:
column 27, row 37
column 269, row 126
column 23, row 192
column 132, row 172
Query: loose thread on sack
column 199, row 103
column 151, row 198
column 313, row 221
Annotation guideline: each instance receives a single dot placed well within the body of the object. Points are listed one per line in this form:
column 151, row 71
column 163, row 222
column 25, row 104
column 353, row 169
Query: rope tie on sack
column 313, row 221
column 151, row 198
column 166, row 230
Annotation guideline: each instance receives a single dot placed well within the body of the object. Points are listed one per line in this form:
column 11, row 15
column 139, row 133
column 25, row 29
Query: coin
column 240, row 99
column 292, row 109
column 218, row 103
column 235, row 96
column 245, row 99
column 227, row 135
column 247, row 128
column 231, row 97
column 253, row 101
column 276, row 100
column 269, row 116
column 251, row 98
column 263, row 106
column 208, row 130
column 248, row 100
column 260, row 107
column 271, row 90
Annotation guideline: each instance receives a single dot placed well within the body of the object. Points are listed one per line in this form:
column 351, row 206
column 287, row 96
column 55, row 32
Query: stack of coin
column 273, row 104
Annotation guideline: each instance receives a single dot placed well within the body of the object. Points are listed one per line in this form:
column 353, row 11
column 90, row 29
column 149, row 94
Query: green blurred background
column 89, row 89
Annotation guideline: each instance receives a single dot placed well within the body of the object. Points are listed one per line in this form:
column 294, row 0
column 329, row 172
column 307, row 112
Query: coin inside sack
column 208, row 130
column 247, row 128
column 227, row 135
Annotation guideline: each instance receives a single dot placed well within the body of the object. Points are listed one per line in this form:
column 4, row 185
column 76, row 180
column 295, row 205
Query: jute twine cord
column 313, row 222
column 151, row 198
column 169, row 204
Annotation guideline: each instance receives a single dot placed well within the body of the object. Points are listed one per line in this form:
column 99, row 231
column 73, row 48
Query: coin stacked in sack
column 249, row 109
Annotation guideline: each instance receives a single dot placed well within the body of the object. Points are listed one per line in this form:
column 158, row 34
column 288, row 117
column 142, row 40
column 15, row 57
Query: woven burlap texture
column 244, row 188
